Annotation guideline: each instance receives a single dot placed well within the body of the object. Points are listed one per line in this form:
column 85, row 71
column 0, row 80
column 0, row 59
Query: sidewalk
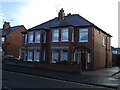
column 99, row 77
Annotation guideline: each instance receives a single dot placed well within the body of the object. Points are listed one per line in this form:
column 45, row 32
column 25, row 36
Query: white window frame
column 44, row 37
column 104, row 41
column 63, row 54
column 36, row 37
column 29, row 59
column 89, row 58
column 63, row 31
column 53, row 61
column 30, row 41
column 80, row 34
column 38, row 51
column 55, row 31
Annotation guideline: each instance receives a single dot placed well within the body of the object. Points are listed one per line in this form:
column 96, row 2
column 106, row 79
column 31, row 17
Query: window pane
column 25, row 38
column 3, row 39
column 44, row 37
column 55, row 35
column 36, row 55
column 37, row 36
column 83, row 35
column 29, row 55
column 64, row 55
column 114, row 52
column 104, row 41
column 73, row 35
column 64, row 34
column 30, row 38
column 55, row 55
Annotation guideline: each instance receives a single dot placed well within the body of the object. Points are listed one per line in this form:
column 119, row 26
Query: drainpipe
column 93, row 49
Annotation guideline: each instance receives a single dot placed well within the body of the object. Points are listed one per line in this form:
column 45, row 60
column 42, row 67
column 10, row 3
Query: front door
column 83, row 61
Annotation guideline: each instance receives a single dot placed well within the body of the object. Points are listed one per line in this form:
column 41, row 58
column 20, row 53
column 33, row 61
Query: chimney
column 61, row 14
column 6, row 25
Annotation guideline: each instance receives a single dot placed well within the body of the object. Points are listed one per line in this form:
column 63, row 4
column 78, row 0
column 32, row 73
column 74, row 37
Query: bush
column 44, row 61
column 63, row 62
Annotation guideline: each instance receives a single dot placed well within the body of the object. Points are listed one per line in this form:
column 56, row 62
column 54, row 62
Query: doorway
column 83, row 58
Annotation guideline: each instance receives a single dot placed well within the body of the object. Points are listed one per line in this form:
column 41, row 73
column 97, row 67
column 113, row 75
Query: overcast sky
column 103, row 13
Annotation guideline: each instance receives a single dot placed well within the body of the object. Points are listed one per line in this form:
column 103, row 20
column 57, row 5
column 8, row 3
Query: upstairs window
column 37, row 36
column 83, row 35
column 104, row 41
column 72, row 35
column 44, row 37
column 25, row 38
column 64, row 34
column 55, row 35
column 30, row 37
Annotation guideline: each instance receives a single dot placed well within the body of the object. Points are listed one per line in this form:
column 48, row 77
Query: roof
column 71, row 20
column 9, row 30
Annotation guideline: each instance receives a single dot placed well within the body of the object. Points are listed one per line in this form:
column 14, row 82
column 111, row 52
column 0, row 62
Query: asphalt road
column 19, row 80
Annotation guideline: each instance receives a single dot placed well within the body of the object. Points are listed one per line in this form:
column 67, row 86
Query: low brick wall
column 116, row 60
column 73, row 68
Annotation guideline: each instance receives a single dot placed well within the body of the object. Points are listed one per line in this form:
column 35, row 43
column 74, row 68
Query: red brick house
column 12, row 39
column 71, row 39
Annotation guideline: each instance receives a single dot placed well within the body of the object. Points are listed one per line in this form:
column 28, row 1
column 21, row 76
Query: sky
column 103, row 13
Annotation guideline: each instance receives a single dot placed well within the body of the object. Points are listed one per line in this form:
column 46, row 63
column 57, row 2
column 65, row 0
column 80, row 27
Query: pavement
column 107, row 77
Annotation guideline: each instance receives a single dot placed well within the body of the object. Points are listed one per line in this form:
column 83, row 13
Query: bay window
column 83, row 35
column 55, row 35
column 54, row 56
column 29, row 55
column 30, row 37
column 37, row 36
column 36, row 55
column 64, row 34
column 64, row 55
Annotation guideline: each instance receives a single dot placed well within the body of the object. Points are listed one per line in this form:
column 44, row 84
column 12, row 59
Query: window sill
column 30, row 42
column 64, row 41
column 104, row 45
column 83, row 41
column 55, row 41
column 37, row 42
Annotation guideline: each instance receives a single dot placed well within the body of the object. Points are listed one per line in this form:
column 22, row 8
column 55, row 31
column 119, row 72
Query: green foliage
column 44, row 61
column 63, row 62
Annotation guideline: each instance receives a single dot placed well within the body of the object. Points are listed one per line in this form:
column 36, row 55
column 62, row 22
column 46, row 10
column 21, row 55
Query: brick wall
column 102, row 54
column 14, row 40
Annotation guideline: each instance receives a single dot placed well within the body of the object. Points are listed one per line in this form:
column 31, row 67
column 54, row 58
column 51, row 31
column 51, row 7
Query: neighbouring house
column 12, row 39
column 115, row 56
column 67, row 39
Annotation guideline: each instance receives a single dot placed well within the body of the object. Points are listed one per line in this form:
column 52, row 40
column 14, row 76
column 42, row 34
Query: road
column 19, row 80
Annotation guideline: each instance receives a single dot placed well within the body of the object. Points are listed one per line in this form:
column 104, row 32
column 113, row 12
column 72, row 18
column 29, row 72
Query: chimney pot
column 6, row 25
column 61, row 14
